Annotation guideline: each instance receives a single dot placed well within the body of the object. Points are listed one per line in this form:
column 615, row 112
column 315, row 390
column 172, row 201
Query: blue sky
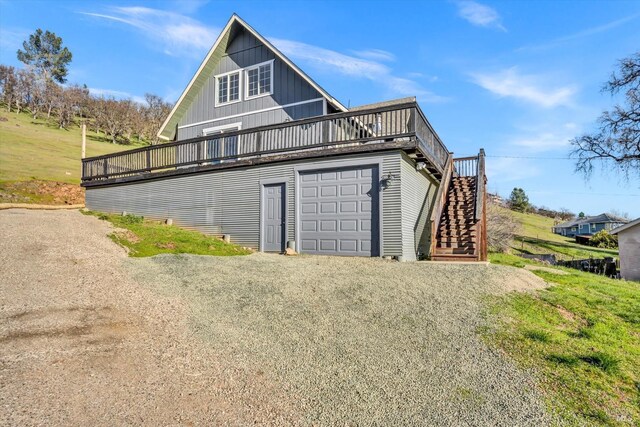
column 517, row 78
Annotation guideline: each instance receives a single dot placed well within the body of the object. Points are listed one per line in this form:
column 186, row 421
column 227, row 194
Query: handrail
column 440, row 200
column 480, row 184
column 386, row 123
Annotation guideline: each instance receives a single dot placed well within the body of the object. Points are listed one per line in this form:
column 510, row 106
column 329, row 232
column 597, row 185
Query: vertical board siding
column 288, row 87
column 258, row 119
column 418, row 196
column 228, row 201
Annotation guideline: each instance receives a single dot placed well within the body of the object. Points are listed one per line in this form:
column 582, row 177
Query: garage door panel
column 309, row 226
column 328, row 225
column 347, row 225
column 348, row 190
column 309, row 245
column 309, row 208
column 328, row 176
column 328, row 208
column 349, row 207
column 311, row 192
column 328, row 245
column 342, row 206
column 329, row 191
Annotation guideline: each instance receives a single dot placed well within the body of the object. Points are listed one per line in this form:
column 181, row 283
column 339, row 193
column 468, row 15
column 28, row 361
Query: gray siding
column 417, row 196
column 288, row 87
column 258, row 119
column 228, row 201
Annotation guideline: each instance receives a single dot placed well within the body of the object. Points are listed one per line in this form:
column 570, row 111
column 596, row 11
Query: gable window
column 228, row 88
column 259, row 80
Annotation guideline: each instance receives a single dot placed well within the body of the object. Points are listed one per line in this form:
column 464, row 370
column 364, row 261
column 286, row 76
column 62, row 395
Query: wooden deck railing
column 401, row 122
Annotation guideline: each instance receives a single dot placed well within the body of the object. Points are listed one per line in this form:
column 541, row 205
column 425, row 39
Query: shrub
column 131, row 219
column 604, row 239
column 501, row 227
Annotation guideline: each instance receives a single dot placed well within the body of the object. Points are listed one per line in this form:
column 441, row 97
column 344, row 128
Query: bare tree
column 8, row 83
column 24, row 88
column 115, row 118
column 67, row 103
column 617, row 140
column 156, row 112
column 502, row 227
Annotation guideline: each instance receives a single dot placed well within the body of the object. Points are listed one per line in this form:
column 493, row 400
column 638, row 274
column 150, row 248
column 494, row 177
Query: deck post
column 84, row 148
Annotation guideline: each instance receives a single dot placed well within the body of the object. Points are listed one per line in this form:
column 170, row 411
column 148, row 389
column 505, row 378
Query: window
column 220, row 145
column 260, row 80
column 228, row 88
column 593, row 227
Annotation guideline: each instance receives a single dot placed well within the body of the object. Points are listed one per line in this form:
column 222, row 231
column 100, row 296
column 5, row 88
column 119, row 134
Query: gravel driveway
column 89, row 336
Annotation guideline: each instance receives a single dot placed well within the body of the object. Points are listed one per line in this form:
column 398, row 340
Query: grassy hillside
column 536, row 237
column 32, row 149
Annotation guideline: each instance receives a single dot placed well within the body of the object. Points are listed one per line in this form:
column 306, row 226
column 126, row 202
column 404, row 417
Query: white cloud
column 376, row 55
column 332, row 61
column 117, row 94
column 11, row 39
column 511, row 83
column 545, row 141
column 580, row 34
column 178, row 34
column 504, row 169
column 479, row 14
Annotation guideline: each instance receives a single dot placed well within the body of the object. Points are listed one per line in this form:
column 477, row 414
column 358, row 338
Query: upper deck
column 400, row 126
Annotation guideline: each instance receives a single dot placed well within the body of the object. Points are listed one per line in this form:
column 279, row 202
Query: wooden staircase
column 459, row 223
column 458, row 231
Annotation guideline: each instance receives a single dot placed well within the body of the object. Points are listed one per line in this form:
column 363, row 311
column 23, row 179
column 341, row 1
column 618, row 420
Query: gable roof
column 235, row 24
column 598, row 219
column 626, row 226
column 571, row 223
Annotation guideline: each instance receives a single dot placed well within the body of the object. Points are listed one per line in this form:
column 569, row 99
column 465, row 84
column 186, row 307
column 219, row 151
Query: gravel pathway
column 259, row 339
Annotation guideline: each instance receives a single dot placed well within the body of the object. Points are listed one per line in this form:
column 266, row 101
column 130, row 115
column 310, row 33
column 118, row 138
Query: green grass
column 536, row 237
column 146, row 238
column 582, row 338
column 35, row 149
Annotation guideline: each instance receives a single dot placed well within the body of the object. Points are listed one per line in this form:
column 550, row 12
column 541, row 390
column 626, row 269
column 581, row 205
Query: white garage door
column 339, row 211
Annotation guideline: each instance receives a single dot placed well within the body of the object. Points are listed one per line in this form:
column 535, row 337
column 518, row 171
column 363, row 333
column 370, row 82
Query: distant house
column 589, row 225
column 629, row 245
column 495, row 198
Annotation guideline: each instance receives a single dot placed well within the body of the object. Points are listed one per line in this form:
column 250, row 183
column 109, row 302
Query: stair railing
column 441, row 200
column 480, row 213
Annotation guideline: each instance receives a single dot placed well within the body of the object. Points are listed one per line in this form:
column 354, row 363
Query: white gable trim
column 235, row 18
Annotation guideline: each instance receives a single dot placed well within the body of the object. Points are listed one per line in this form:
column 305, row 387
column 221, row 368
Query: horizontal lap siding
column 418, row 193
column 228, row 202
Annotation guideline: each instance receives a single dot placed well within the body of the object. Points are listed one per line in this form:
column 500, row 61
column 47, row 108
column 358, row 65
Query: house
column 629, row 247
column 262, row 154
column 589, row 225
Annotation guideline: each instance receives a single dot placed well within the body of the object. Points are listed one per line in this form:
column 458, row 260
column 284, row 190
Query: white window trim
column 246, row 80
column 221, row 129
column 215, row 89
